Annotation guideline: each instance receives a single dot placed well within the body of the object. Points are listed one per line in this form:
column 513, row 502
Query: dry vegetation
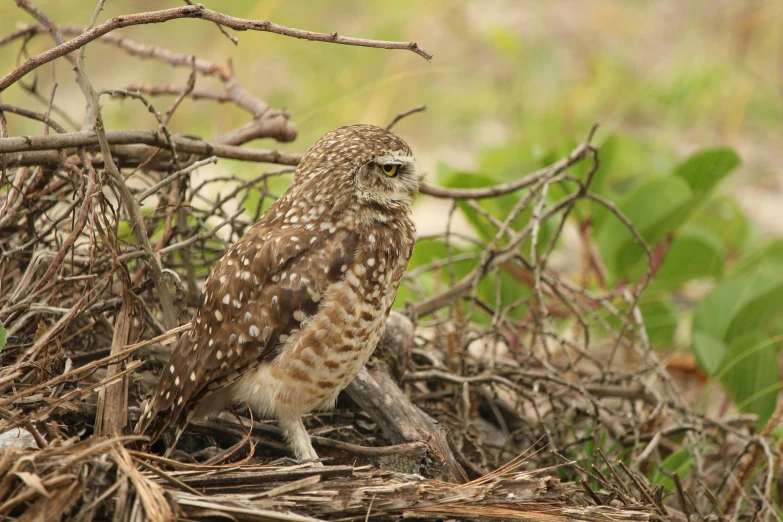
column 550, row 408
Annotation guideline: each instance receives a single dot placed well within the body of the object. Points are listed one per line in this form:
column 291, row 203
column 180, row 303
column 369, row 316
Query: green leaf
column 660, row 320
column 485, row 230
column 434, row 249
column 726, row 219
column 747, row 302
column 702, row 172
column 627, row 160
column 599, row 214
column 3, row 335
column 658, row 207
column 696, row 253
column 769, row 254
column 749, row 373
column 451, row 178
column 608, row 154
column 755, row 302
column 500, row 207
column 460, row 179
column 510, row 159
column 125, row 231
column 678, row 462
column 426, row 282
column 649, row 208
column 429, row 251
column 705, row 169
column 709, row 351
column 510, row 290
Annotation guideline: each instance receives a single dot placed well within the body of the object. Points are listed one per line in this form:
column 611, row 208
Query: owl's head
column 361, row 164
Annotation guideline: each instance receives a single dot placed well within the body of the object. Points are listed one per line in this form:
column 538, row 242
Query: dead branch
column 577, row 155
column 405, row 114
column 194, row 11
column 72, row 140
column 510, row 352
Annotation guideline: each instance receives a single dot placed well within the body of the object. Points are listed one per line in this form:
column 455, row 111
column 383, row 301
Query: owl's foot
column 298, row 439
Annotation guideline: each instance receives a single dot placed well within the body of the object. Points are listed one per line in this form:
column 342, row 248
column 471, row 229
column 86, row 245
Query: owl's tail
column 166, row 407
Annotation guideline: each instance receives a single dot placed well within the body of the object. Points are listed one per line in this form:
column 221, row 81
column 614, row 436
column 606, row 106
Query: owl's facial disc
column 388, row 179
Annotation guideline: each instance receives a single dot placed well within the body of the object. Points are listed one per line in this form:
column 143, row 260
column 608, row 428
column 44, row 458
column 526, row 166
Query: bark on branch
column 72, row 140
column 194, row 11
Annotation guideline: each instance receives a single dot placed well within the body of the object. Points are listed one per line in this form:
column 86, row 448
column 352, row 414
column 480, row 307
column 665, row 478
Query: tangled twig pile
column 106, row 235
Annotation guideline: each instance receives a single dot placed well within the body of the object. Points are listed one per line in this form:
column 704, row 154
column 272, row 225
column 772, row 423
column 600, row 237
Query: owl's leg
column 297, row 437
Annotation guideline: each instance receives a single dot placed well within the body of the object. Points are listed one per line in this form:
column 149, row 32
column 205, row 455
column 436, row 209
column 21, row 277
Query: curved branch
column 33, row 116
column 194, row 11
column 576, row 156
column 405, row 114
column 146, row 137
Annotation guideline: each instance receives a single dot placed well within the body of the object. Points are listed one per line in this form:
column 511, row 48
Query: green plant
column 696, row 236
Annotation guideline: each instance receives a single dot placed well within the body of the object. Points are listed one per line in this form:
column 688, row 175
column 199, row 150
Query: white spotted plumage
column 289, row 328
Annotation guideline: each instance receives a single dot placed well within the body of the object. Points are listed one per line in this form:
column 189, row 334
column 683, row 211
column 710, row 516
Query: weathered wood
column 401, row 421
column 112, row 414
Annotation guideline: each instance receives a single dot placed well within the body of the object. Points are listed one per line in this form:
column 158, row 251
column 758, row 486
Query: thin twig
column 402, row 115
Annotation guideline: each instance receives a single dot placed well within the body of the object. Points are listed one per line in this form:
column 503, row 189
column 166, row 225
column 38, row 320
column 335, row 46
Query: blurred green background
column 520, row 76
column 514, row 85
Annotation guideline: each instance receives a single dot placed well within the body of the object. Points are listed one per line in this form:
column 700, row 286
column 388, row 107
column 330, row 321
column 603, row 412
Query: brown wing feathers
column 255, row 297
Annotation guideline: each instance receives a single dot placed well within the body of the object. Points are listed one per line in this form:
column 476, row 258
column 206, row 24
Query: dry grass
column 549, row 407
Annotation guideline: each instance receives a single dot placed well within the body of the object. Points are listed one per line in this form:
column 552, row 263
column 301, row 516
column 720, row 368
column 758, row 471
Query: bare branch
column 402, row 115
column 577, row 155
column 233, row 39
column 195, row 11
column 147, row 137
column 131, row 205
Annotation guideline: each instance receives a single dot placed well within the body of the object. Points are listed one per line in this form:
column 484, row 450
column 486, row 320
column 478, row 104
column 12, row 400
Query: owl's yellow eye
column 390, row 170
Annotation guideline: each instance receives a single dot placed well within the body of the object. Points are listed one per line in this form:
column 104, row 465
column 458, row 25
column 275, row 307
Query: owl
column 296, row 306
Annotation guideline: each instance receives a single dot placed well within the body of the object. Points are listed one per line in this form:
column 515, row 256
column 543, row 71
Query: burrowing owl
column 294, row 309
